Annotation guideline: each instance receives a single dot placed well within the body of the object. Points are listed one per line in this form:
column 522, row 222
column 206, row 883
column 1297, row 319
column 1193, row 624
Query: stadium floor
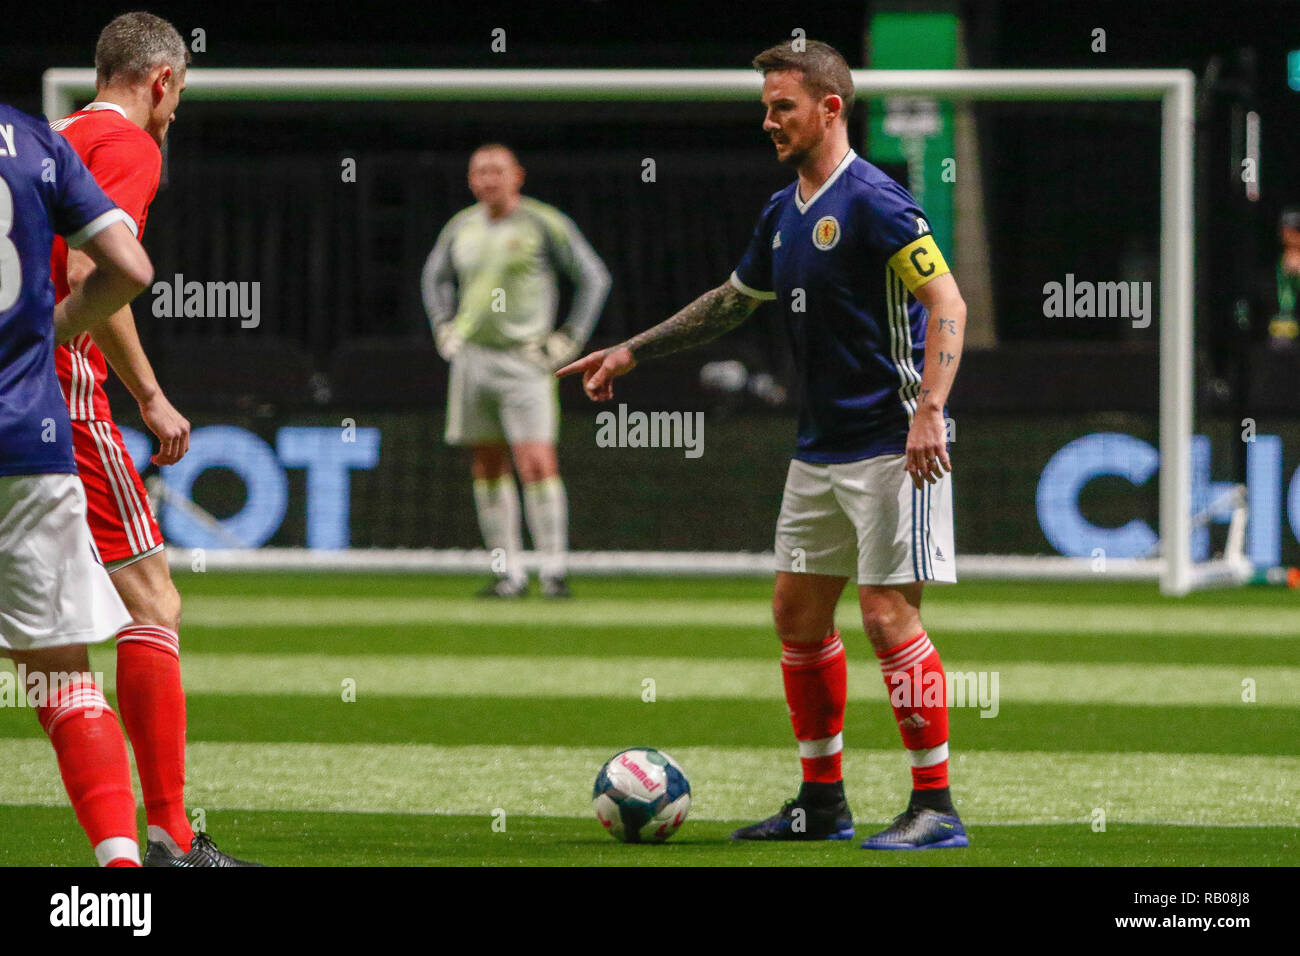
column 477, row 728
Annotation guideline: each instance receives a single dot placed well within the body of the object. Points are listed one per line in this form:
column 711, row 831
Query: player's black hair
column 824, row 70
column 1290, row 218
column 490, row 146
column 133, row 44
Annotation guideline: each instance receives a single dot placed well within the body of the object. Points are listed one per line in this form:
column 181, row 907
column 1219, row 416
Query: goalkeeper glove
column 560, row 349
column 448, row 340
column 555, row 351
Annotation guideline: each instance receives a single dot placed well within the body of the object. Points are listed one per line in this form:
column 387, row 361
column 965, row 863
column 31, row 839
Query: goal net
column 285, row 318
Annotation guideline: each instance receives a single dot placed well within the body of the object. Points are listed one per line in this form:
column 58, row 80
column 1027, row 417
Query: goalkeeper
column 490, row 290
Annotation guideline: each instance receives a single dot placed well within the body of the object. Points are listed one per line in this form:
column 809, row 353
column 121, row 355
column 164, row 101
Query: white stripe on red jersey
column 82, row 372
column 131, row 509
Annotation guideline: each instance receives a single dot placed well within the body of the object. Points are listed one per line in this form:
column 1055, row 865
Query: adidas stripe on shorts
column 866, row 520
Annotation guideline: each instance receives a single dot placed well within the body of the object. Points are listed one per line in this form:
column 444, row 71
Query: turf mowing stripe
column 727, row 783
column 1097, row 590
column 738, row 722
column 753, row 643
column 665, row 678
column 325, row 611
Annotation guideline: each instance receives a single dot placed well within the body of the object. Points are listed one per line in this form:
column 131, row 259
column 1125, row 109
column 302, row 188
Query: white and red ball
column 641, row 796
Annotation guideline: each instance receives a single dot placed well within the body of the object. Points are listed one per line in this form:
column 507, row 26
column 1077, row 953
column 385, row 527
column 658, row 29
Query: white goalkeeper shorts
column 53, row 589
column 866, row 520
column 497, row 396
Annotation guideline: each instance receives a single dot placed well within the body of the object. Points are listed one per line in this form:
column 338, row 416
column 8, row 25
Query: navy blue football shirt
column 841, row 265
column 44, row 189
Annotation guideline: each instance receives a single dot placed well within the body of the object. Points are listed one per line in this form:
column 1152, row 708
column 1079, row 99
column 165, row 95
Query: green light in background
column 1293, row 70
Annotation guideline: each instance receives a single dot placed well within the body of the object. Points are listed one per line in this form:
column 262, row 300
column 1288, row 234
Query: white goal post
column 1176, row 571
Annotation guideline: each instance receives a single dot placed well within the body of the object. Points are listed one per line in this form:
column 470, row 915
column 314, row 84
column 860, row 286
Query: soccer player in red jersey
column 868, row 494
column 140, row 63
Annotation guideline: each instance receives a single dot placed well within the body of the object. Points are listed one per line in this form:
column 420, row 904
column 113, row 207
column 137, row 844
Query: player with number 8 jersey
column 55, row 596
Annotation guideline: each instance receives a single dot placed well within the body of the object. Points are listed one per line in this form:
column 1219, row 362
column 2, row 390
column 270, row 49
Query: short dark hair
column 824, row 69
column 134, row 44
column 488, row 147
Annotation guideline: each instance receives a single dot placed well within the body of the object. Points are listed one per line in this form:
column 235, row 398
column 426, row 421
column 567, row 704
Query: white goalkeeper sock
column 497, row 501
column 546, row 506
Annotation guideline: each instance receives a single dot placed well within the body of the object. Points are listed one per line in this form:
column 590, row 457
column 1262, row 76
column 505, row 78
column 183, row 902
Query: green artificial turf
column 1112, row 698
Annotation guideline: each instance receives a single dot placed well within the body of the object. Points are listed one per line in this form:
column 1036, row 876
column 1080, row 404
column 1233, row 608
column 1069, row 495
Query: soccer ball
column 641, row 796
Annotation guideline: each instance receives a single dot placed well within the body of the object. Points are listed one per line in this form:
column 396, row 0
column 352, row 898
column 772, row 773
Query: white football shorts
column 499, row 396
column 865, row 519
column 53, row 589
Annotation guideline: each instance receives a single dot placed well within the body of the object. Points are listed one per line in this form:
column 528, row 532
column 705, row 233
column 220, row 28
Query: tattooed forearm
column 717, row 311
column 943, row 347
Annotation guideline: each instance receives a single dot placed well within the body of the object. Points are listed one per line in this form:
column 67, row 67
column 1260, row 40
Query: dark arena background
column 1139, row 725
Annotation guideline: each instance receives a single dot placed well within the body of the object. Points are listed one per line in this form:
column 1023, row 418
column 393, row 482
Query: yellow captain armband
column 918, row 262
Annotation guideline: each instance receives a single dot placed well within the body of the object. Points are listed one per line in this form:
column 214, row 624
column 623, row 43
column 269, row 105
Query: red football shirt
column 127, row 164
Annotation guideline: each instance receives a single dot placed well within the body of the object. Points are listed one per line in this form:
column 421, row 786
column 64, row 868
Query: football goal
column 1173, row 552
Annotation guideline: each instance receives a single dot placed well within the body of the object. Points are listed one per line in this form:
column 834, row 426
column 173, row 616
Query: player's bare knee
column 535, row 462
column 170, row 607
column 878, row 618
column 490, row 462
column 888, row 625
column 162, row 607
column 798, row 622
column 788, row 614
column 877, row 632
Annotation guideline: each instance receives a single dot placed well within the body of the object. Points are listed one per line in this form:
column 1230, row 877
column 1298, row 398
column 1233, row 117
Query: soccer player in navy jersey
column 55, row 596
column 877, row 324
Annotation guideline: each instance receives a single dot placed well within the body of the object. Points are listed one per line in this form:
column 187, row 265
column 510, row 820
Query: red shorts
column 117, row 507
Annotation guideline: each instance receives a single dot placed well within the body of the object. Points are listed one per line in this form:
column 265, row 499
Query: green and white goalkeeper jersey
column 497, row 279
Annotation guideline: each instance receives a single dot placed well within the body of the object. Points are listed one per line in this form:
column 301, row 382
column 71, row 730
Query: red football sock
column 152, row 702
column 918, row 692
column 92, row 761
column 816, row 685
